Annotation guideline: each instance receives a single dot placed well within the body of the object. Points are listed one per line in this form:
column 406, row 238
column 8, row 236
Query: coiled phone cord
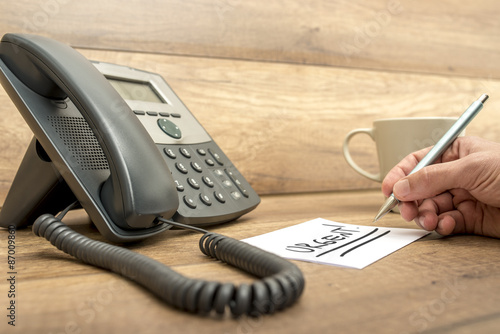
column 280, row 286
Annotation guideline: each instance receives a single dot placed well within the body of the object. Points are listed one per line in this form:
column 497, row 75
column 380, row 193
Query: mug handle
column 350, row 161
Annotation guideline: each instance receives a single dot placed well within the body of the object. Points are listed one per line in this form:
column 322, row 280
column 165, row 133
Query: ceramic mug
column 395, row 138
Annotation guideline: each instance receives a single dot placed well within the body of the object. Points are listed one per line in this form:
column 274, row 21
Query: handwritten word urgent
column 339, row 236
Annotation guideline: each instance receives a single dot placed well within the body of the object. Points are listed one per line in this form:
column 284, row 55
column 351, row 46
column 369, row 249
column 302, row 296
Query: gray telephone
column 116, row 139
column 119, row 143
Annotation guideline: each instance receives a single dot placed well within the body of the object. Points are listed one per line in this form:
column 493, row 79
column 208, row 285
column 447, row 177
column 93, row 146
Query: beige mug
column 395, row 138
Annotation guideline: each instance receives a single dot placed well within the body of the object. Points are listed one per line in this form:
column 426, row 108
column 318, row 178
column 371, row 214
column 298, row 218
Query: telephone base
column 38, row 188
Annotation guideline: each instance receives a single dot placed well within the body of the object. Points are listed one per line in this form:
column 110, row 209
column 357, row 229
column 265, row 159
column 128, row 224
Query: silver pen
column 438, row 149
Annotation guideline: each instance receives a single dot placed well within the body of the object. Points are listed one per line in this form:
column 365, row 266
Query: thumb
column 427, row 182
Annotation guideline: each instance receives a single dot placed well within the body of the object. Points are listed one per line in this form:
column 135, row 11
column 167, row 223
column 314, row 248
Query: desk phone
column 118, row 142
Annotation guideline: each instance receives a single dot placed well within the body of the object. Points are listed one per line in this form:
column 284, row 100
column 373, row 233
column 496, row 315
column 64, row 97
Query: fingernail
column 402, row 188
column 421, row 220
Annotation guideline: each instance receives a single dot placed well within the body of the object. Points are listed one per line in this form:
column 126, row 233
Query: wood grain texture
column 283, row 124
column 445, row 285
column 449, row 37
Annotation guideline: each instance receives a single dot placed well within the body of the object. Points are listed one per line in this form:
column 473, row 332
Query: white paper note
column 328, row 242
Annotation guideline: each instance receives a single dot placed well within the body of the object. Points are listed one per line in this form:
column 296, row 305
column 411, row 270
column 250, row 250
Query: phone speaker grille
column 81, row 141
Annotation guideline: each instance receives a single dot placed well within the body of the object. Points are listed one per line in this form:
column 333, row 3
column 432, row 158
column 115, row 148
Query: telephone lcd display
column 138, row 91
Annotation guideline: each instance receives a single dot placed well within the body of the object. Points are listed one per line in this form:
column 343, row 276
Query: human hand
column 458, row 194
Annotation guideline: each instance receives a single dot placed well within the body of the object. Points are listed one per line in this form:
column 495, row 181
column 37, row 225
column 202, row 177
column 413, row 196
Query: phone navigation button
column 169, row 128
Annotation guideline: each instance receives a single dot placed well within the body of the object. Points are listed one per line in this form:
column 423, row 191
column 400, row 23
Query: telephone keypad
column 205, row 179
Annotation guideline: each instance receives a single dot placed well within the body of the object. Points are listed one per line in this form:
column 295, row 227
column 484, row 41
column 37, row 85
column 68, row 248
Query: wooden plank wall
column 278, row 84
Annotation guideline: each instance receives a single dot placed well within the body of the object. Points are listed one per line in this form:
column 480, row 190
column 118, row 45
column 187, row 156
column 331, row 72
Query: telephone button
column 205, row 199
column 243, row 191
column 164, row 114
column 219, row 197
column 216, row 156
column 189, row 202
column 196, row 166
column 181, row 168
column 236, row 195
column 175, row 115
column 152, row 113
column 184, row 151
column 169, row 128
column 208, row 181
column 170, row 153
column 201, row 152
column 178, row 186
column 139, row 112
column 237, row 182
column 193, row 183
column 210, row 162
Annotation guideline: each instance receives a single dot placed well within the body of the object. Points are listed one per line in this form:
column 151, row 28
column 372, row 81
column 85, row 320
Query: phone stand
column 38, row 188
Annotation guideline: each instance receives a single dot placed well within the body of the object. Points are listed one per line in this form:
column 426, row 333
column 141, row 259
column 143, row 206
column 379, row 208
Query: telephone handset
column 116, row 139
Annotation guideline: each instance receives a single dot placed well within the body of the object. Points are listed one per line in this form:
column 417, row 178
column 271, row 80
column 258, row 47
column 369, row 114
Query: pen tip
column 388, row 205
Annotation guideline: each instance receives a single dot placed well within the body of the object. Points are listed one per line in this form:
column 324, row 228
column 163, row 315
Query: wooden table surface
column 445, row 285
